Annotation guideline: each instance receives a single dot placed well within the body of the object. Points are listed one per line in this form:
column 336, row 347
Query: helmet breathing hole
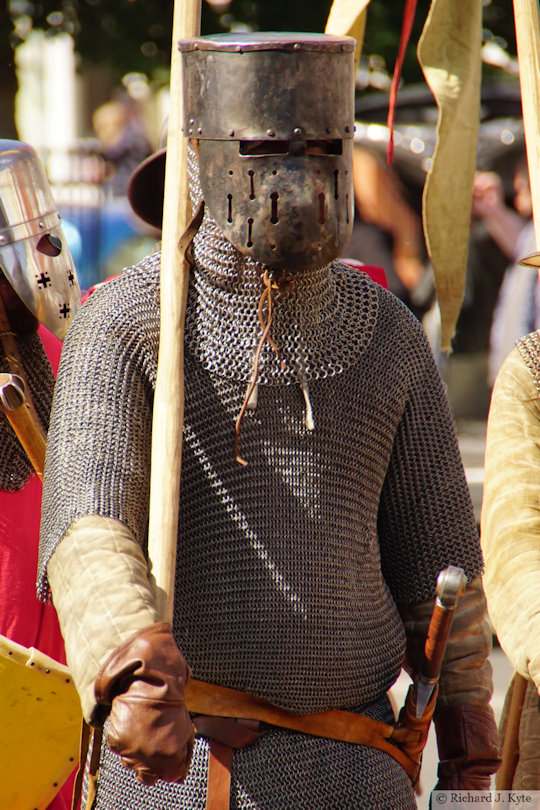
column 251, row 184
column 229, row 207
column 249, row 242
column 274, row 215
column 347, row 208
column 322, row 217
column 336, row 184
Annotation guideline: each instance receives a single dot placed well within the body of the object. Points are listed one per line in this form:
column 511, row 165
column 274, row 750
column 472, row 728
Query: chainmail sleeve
column 426, row 518
column 103, row 406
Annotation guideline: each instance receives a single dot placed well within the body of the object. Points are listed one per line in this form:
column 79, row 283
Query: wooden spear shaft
column 168, row 415
column 528, row 50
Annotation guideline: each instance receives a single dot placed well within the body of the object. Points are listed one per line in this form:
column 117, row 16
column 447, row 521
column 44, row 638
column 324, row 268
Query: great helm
column 274, row 118
column 34, row 255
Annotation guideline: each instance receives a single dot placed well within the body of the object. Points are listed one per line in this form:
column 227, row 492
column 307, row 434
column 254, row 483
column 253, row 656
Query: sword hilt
column 451, row 584
column 28, row 431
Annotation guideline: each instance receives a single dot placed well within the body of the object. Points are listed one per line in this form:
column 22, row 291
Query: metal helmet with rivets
column 34, row 254
column 273, row 115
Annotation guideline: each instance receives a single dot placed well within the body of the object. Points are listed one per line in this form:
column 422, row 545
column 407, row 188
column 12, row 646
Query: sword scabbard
column 450, row 586
column 437, row 638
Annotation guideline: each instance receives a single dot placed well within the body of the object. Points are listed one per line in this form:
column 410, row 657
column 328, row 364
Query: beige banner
column 449, row 53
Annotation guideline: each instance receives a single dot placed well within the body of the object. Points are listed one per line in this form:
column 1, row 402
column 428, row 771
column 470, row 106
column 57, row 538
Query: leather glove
column 143, row 683
column 468, row 746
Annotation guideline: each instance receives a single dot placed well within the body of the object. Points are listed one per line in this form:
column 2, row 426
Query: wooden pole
column 348, row 18
column 510, row 744
column 526, row 18
column 168, row 413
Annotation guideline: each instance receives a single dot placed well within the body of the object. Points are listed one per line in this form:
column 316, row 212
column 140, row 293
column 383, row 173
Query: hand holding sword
column 415, row 717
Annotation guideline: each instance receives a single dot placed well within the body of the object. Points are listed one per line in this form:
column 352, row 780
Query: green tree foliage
column 135, row 35
column 121, row 35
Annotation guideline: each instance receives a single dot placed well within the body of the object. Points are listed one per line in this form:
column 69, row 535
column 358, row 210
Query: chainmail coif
column 529, row 348
column 291, row 570
column 311, row 328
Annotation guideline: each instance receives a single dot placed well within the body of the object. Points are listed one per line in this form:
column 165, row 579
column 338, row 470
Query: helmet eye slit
column 333, row 146
column 263, row 148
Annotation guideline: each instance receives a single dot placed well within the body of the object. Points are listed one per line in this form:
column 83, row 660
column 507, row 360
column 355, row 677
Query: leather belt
column 233, row 719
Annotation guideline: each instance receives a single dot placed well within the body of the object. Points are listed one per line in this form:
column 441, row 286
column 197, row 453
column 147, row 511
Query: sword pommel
column 451, row 585
column 11, row 391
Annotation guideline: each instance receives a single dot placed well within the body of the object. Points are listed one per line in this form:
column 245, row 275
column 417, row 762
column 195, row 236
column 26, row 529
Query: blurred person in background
column 387, row 230
column 517, row 309
column 123, row 144
column 122, row 140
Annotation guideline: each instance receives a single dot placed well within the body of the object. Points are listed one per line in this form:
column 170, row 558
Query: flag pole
column 348, row 18
column 527, row 24
column 168, row 414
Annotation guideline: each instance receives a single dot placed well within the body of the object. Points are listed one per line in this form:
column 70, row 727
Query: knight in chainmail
column 322, row 488
column 39, row 294
column 38, row 284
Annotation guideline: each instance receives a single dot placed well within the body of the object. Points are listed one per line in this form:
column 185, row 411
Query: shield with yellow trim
column 40, row 726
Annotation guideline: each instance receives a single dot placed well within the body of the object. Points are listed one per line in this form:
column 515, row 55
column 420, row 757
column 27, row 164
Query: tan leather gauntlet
column 466, row 675
column 468, row 746
column 464, row 720
column 142, row 682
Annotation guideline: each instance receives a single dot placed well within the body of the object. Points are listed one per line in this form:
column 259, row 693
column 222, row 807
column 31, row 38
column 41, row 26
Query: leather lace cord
column 271, row 285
